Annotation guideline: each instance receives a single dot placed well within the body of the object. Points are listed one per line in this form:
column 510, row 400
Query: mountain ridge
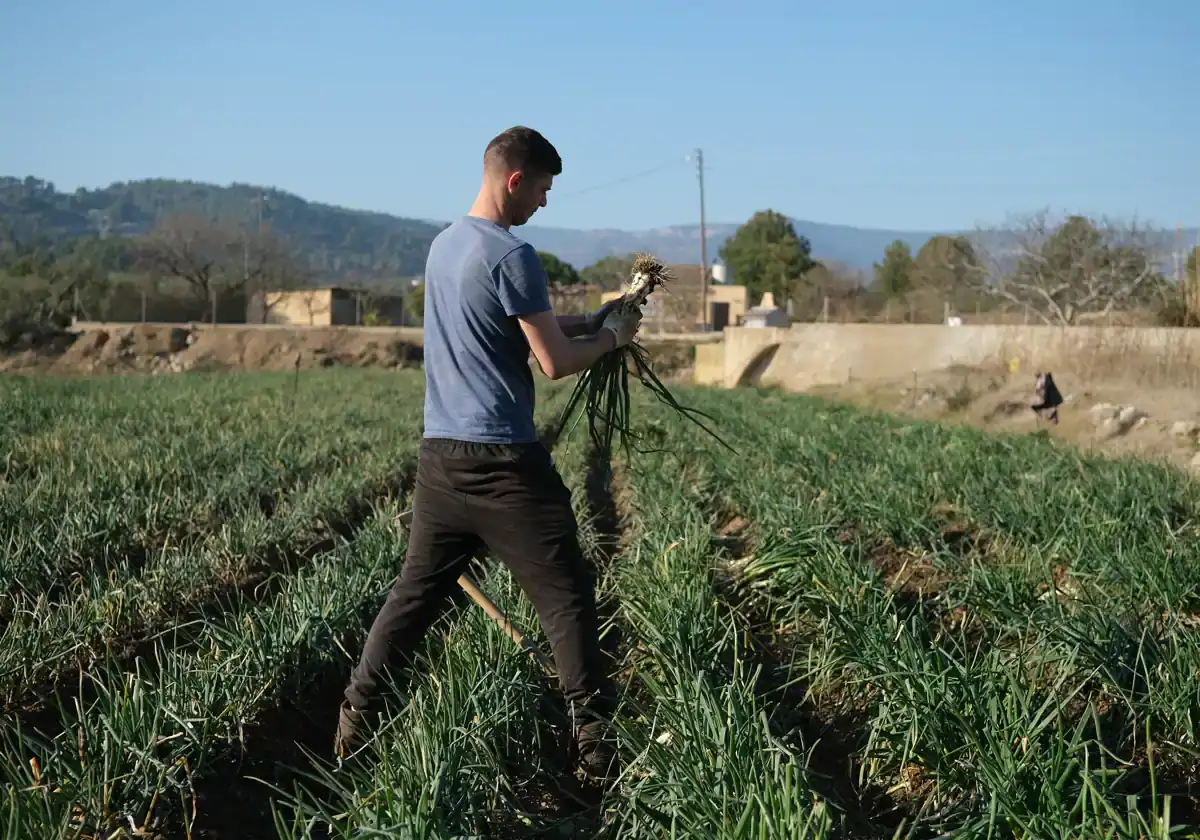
column 857, row 248
column 342, row 241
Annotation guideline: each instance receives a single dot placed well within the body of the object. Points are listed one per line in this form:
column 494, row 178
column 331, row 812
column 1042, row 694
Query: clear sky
column 913, row 116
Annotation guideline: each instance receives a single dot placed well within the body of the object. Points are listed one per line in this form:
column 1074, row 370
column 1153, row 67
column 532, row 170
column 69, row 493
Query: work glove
column 595, row 318
column 624, row 325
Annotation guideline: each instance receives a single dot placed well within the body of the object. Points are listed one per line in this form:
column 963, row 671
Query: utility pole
column 1178, row 253
column 246, row 261
column 703, row 246
column 246, row 242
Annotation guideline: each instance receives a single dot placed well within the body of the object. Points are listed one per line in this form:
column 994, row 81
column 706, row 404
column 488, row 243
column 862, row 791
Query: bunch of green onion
column 603, row 389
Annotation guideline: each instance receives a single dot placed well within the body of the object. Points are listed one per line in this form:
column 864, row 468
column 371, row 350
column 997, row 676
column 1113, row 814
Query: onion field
column 859, row 626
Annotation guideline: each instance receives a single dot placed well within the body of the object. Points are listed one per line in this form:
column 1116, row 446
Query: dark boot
column 596, row 752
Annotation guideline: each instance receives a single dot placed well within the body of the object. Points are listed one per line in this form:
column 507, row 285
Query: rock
column 1117, row 420
column 1129, row 415
column 1185, row 428
column 1102, row 411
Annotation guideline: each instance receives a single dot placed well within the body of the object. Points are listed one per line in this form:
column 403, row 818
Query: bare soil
column 179, row 348
column 154, row 348
column 998, row 400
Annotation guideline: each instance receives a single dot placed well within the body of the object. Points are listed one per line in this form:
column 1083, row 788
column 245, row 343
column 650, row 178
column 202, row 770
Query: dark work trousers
column 511, row 499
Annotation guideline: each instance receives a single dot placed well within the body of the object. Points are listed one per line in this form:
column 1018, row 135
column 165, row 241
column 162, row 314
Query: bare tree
column 270, row 262
column 843, row 288
column 316, row 302
column 1071, row 272
column 214, row 256
column 190, row 248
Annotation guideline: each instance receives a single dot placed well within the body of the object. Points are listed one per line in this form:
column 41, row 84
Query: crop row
column 1000, row 629
column 320, row 473
column 273, row 600
column 860, row 627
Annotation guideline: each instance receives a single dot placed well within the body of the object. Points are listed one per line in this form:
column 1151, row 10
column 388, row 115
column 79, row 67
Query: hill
column 337, row 240
column 343, row 242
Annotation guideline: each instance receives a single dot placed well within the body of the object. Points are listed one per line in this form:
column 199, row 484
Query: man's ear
column 514, row 181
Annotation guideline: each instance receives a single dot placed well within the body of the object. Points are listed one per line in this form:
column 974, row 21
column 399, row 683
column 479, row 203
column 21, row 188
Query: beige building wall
column 309, row 307
column 709, row 368
column 328, row 307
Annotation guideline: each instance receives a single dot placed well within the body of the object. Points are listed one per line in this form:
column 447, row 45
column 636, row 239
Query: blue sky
column 913, row 116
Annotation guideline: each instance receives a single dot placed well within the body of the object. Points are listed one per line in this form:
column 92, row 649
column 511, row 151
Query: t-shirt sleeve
column 521, row 282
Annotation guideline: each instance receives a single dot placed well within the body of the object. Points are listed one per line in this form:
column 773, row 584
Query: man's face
column 527, row 192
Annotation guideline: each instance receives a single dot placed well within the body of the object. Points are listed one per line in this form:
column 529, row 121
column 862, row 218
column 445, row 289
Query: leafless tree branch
column 212, row 256
column 1071, row 271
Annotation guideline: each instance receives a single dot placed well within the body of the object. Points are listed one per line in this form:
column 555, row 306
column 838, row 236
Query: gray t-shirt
column 478, row 380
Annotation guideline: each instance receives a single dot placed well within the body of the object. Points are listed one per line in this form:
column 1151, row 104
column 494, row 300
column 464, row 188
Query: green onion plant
column 603, row 389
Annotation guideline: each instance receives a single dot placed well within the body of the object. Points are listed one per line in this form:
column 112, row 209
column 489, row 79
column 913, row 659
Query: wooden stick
column 507, row 626
column 494, row 612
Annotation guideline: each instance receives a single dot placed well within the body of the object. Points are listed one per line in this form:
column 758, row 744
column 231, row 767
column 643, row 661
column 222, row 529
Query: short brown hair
column 521, row 148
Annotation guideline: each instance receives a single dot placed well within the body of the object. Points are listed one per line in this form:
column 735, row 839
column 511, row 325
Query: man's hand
column 624, row 325
column 587, row 323
column 595, row 318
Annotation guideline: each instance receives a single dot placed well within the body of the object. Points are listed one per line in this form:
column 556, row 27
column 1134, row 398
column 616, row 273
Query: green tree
column 610, row 273
column 767, row 255
column 414, row 304
column 894, row 276
column 945, row 264
column 558, row 272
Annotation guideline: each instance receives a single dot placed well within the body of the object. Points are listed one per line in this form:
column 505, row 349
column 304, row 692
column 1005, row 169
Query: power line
column 624, row 179
column 983, row 183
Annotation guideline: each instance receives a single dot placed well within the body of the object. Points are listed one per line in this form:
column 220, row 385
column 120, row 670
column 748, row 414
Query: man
column 483, row 477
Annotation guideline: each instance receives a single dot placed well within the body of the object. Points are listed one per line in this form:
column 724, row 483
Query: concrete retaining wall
column 818, row 354
column 709, row 366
